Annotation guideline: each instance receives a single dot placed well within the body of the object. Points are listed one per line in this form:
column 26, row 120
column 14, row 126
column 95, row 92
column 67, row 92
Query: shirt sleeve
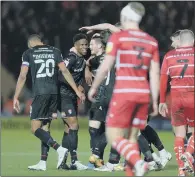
column 70, row 61
column 163, row 81
column 59, row 58
column 25, row 59
column 164, row 67
column 112, row 45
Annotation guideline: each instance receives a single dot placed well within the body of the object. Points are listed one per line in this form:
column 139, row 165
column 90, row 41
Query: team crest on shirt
column 70, row 111
column 109, row 47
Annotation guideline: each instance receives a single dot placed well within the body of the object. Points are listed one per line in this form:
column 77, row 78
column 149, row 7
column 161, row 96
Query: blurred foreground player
column 44, row 61
column 179, row 65
column 135, row 53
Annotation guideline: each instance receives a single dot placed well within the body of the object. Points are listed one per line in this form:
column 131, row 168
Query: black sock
column 150, row 134
column 102, row 155
column 114, row 157
column 73, row 144
column 44, row 150
column 150, row 146
column 145, row 149
column 100, row 144
column 65, row 144
column 188, row 135
column 94, row 132
column 46, row 138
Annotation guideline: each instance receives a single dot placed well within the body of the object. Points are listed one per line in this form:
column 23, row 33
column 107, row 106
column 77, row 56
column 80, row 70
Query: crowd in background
column 58, row 22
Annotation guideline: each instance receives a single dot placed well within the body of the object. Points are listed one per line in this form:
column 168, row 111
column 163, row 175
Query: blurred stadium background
column 57, row 22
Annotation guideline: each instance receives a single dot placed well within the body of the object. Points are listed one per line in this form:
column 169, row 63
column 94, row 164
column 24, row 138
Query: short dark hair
column 105, row 34
column 78, row 37
column 34, row 37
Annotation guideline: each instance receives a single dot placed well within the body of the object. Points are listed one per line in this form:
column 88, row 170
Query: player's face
column 82, row 46
column 93, row 47
column 175, row 42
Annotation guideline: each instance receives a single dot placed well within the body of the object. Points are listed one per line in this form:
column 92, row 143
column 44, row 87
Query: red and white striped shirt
column 133, row 51
column 179, row 65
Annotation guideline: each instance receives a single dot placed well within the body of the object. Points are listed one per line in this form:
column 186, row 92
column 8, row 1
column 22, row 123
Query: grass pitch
column 19, row 148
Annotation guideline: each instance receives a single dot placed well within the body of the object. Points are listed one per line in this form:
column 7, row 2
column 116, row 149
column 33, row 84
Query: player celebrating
column 75, row 62
column 148, row 136
column 135, row 52
column 179, row 65
column 99, row 109
column 43, row 61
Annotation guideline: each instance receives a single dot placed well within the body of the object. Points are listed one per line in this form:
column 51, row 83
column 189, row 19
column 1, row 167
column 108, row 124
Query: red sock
column 179, row 150
column 127, row 149
column 129, row 171
column 190, row 146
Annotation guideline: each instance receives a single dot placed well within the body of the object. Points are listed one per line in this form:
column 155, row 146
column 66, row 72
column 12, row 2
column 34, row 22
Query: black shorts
column 98, row 112
column 43, row 106
column 68, row 105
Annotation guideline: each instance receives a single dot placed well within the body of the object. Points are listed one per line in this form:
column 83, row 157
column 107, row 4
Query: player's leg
column 187, row 157
column 120, row 116
column 41, row 165
column 151, row 135
column 179, row 126
column 69, row 115
column 145, row 149
column 65, row 144
column 41, row 110
column 97, row 132
column 44, row 147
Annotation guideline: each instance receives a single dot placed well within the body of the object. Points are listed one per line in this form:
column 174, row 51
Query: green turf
column 19, row 148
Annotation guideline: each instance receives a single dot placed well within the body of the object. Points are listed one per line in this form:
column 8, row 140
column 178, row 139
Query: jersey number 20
column 46, row 68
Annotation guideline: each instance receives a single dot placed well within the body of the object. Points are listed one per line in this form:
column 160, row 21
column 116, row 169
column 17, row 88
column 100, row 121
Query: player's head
column 34, row 40
column 97, row 45
column 81, row 43
column 186, row 38
column 132, row 14
column 175, row 38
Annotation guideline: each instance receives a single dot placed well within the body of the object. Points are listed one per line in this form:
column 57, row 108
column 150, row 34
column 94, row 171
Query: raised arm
column 102, row 26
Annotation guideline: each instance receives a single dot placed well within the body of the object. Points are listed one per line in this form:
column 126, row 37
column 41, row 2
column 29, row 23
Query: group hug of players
column 123, row 76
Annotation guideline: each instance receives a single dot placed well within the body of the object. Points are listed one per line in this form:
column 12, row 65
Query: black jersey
column 76, row 66
column 106, row 87
column 43, row 61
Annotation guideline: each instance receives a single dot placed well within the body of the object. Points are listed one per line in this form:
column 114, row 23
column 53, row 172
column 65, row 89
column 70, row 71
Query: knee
column 46, row 126
column 33, row 129
column 180, row 131
column 72, row 123
column 94, row 124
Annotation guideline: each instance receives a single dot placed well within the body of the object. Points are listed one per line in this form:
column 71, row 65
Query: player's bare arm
column 163, row 110
column 154, row 85
column 103, row 26
column 102, row 72
column 20, row 84
column 88, row 74
column 70, row 80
